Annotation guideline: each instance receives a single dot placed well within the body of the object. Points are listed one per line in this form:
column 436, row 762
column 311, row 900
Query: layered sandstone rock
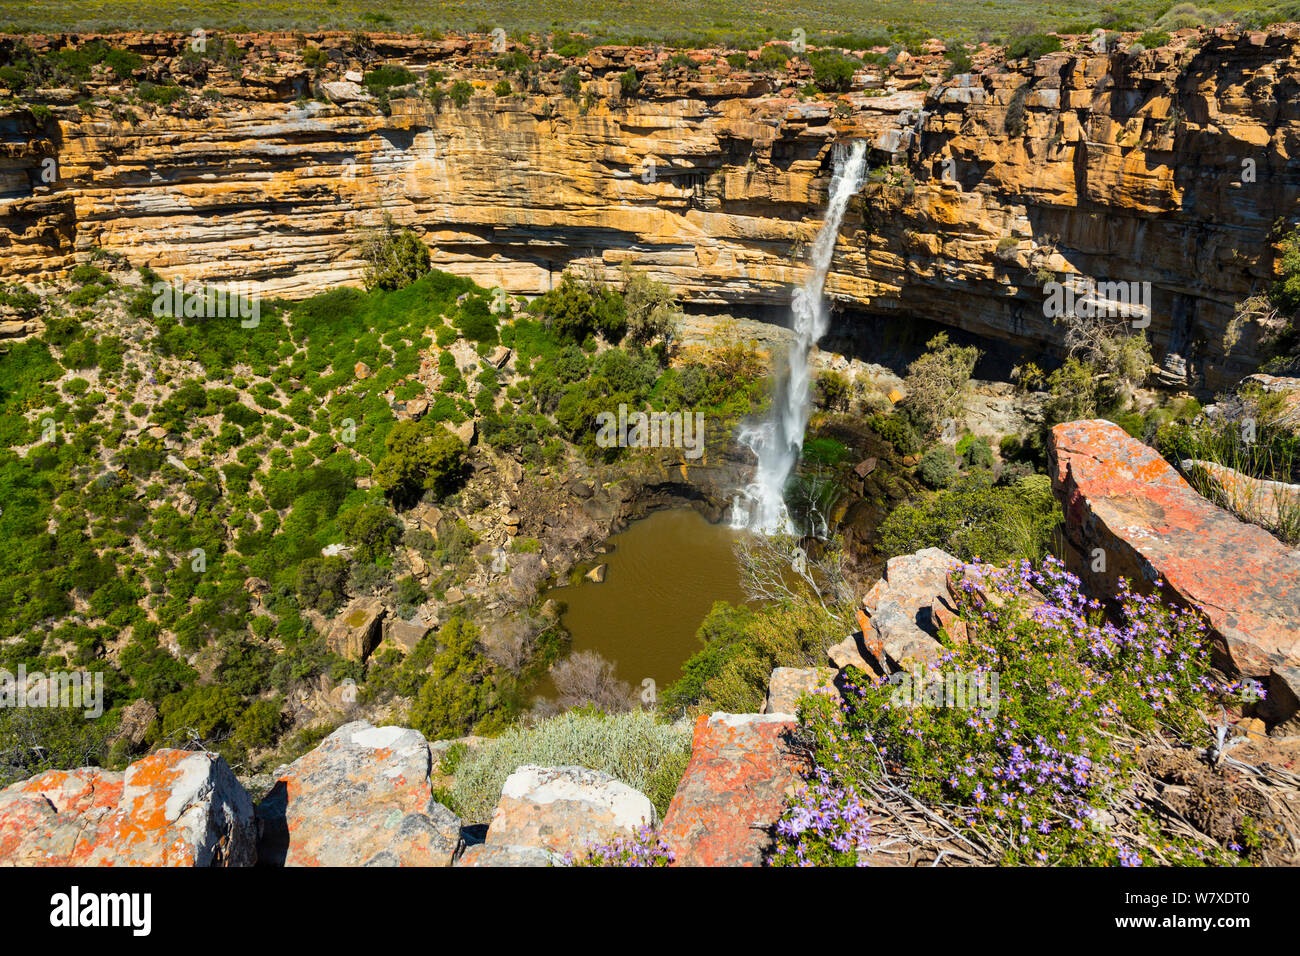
column 1167, row 166
column 1129, row 513
column 362, row 798
column 172, row 808
column 901, row 625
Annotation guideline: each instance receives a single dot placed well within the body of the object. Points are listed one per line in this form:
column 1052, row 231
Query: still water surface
column 663, row 575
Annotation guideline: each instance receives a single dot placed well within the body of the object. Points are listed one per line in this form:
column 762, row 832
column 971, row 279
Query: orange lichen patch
column 735, row 784
column 75, row 791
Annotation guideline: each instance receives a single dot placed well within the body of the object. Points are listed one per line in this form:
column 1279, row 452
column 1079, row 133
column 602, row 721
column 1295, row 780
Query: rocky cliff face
column 1167, row 166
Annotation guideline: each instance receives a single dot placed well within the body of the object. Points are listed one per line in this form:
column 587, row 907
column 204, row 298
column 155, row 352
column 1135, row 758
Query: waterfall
column 778, row 441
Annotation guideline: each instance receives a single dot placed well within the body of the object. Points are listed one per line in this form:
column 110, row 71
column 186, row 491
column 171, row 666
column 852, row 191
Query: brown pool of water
column 662, row 577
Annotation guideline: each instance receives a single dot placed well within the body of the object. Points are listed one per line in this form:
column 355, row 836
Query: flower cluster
column 825, row 825
column 643, row 848
column 1041, row 772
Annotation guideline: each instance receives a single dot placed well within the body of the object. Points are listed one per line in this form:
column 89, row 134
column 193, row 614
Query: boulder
column 566, row 808
column 487, row 855
column 467, row 432
column 788, row 684
column 1124, row 503
column 740, row 772
column 597, row 574
column 171, row 808
column 899, row 625
column 362, row 798
column 853, row 652
column 356, row 631
column 415, row 408
column 404, row 635
column 343, row 91
column 865, row 467
column 426, row 516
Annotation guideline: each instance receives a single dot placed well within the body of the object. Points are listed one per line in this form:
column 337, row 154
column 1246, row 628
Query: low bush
column 632, row 747
column 1038, row 759
column 973, row 518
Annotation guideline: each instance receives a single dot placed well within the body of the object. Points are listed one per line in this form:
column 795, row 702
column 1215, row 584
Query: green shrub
column 937, row 384
column 974, row 518
column 36, row 739
column 740, row 649
column 898, row 432
column 774, row 57
column 576, row 309
column 476, row 321
column 571, row 83
column 1014, row 125
column 977, row 453
column 938, row 467
column 629, row 83
column 1032, row 46
column 123, row 62
column 959, row 61
column 458, row 693
column 632, row 747
column 420, row 457
column 460, row 93
column 160, row 95
column 394, row 257
column 832, row 70
column 383, row 78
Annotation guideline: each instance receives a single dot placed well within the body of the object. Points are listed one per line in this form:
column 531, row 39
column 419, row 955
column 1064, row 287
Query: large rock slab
column 172, row 808
column 362, row 798
column 735, row 786
column 563, row 809
column 1125, row 504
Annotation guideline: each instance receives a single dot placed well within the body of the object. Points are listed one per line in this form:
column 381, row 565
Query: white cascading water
column 778, row 441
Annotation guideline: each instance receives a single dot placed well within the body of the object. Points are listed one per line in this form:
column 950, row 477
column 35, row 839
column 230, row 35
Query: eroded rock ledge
column 1118, row 167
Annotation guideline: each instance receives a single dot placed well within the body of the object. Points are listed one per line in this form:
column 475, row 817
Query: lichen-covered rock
column 563, row 809
column 362, row 798
column 490, row 855
column 740, row 773
column 171, row 808
column 788, row 684
column 1129, row 513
